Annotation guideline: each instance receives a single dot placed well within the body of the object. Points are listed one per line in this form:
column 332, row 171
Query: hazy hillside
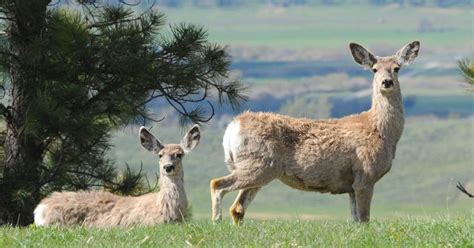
column 302, row 51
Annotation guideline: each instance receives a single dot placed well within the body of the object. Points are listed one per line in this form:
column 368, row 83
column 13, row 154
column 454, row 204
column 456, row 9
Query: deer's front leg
column 363, row 198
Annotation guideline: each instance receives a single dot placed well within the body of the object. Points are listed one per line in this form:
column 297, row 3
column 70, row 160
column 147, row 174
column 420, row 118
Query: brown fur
column 347, row 155
column 103, row 209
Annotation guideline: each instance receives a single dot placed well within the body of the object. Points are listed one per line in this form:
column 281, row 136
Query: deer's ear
column 362, row 56
column 149, row 141
column 408, row 53
column 191, row 139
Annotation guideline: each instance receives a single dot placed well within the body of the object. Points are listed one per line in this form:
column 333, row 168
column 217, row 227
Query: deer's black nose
column 168, row 168
column 387, row 83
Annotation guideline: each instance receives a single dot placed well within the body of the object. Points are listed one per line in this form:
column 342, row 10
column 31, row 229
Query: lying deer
column 103, row 209
column 347, row 155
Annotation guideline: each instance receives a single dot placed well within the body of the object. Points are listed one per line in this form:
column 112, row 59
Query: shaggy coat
column 347, row 155
column 103, row 209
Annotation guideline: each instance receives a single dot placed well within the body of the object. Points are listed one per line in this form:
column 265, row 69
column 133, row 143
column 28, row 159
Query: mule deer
column 103, row 209
column 347, row 155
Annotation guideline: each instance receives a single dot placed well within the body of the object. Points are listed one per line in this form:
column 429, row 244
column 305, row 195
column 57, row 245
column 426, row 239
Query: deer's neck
column 172, row 197
column 387, row 115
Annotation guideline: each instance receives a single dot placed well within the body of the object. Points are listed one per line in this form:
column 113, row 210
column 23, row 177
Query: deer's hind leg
column 220, row 187
column 240, row 179
column 352, row 198
column 242, row 201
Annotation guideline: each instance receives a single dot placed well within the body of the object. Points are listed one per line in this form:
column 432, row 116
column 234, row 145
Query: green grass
column 433, row 232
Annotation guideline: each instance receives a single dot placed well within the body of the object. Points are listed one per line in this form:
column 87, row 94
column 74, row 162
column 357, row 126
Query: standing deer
column 103, row 209
column 347, row 155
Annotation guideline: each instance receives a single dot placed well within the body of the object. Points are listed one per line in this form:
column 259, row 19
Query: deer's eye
column 160, row 155
column 374, row 70
column 179, row 155
column 396, row 69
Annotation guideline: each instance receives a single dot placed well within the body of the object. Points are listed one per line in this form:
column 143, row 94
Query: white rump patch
column 39, row 215
column 231, row 141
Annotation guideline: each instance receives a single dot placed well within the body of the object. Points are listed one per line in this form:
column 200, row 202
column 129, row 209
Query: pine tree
column 72, row 77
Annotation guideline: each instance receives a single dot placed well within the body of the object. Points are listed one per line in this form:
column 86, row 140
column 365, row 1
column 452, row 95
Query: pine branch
column 466, row 67
column 462, row 189
column 130, row 4
column 54, row 172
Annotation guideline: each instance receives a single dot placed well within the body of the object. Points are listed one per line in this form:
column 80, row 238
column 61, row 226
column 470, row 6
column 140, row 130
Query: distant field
column 331, row 26
column 289, row 70
column 409, row 232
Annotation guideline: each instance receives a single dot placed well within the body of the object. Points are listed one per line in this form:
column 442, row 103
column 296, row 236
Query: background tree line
column 287, row 3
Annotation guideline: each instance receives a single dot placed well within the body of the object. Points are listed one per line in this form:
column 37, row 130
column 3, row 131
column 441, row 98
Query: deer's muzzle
column 387, row 83
column 168, row 168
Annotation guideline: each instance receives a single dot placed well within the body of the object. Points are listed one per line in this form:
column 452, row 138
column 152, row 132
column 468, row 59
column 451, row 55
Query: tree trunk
column 21, row 173
column 21, row 182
